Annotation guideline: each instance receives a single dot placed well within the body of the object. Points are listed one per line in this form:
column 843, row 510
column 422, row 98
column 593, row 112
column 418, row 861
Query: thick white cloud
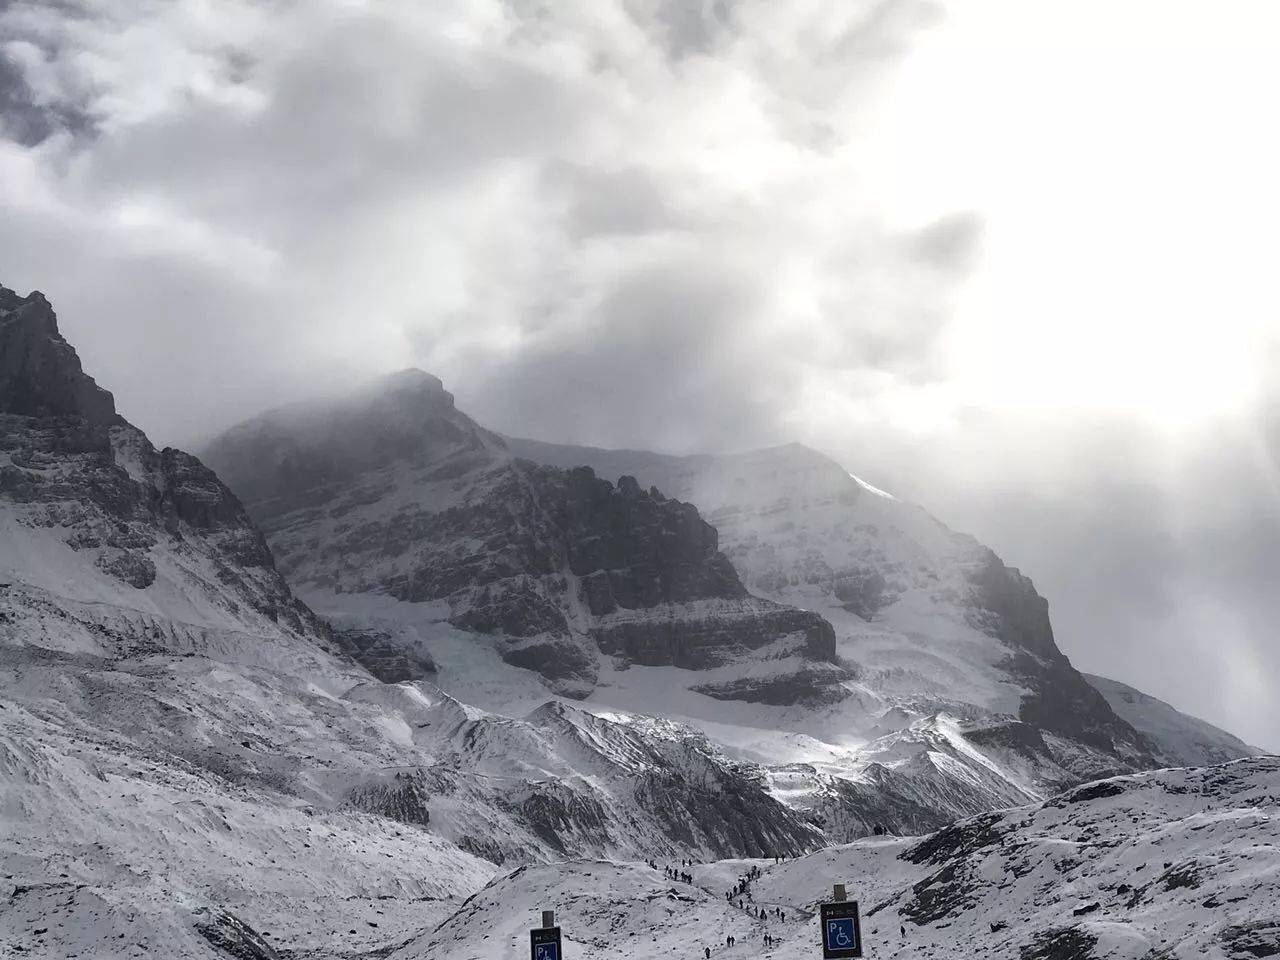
column 973, row 255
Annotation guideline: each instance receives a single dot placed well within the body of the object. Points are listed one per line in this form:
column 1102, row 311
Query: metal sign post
column 544, row 942
column 841, row 929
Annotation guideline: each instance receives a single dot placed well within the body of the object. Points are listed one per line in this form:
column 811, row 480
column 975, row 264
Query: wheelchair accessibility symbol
column 546, row 951
column 839, row 931
column 840, row 935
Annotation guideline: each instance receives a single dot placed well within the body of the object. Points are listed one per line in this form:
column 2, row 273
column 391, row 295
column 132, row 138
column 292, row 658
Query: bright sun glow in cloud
column 1127, row 180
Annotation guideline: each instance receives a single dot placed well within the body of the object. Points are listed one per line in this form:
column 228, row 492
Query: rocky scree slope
column 394, row 492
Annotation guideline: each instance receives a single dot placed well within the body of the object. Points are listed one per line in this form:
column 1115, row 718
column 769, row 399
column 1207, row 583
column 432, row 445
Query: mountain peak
column 405, row 417
column 40, row 373
column 412, row 377
column 413, row 382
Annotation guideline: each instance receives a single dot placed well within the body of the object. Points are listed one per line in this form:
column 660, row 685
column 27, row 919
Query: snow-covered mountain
column 393, row 492
column 186, row 749
column 935, row 622
column 1174, row 738
column 883, row 670
column 193, row 762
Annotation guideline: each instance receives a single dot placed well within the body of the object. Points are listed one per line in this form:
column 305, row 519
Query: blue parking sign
column 544, row 943
column 840, row 935
column 841, row 930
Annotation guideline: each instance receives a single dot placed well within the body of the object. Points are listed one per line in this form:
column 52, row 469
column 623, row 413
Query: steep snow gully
column 378, row 682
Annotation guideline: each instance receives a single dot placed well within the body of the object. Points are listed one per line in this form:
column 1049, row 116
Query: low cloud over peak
column 882, row 228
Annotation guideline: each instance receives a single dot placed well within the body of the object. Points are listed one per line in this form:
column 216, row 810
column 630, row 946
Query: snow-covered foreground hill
column 1176, row 863
column 325, row 810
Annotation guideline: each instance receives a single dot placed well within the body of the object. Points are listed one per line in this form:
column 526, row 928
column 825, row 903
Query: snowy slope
column 1175, row 738
column 1176, row 863
column 310, row 801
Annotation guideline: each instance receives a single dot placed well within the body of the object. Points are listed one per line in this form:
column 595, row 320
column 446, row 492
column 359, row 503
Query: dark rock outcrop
column 76, row 469
column 1059, row 699
column 1258, row 938
column 1013, row 610
column 861, row 591
column 384, row 656
column 40, row 373
column 698, row 643
column 404, row 797
column 230, row 935
column 812, row 686
column 639, row 550
column 646, row 568
column 1015, row 736
column 1068, row 943
column 957, row 840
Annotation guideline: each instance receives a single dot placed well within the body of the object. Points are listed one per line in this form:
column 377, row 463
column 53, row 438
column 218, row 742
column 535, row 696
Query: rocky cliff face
column 934, row 620
column 40, row 373
column 1058, row 698
column 395, row 492
column 83, row 491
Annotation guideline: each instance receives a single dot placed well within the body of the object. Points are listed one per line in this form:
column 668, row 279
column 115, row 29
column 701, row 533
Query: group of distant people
column 741, row 892
column 742, row 889
column 671, row 873
column 729, row 941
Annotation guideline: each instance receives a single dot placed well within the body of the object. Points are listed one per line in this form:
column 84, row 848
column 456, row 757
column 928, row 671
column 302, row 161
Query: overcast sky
column 1013, row 259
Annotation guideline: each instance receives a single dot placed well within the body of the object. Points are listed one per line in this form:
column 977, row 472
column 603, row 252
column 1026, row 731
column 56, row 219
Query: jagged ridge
column 83, row 489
